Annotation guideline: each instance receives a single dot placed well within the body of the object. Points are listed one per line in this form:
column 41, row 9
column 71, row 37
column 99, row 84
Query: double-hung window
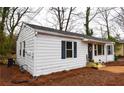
column 68, row 49
column 109, row 49
column 95, row 50
column 98, row 49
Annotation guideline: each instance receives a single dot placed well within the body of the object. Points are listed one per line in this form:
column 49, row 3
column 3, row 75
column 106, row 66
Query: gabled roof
column 65, row 32
column 53, row 30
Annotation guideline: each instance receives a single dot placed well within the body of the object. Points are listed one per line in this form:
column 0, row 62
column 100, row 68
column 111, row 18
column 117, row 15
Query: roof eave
column 58, row 35
column 95, row 41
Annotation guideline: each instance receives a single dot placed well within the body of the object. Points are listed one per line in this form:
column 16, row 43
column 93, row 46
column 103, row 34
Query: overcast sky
column 44, row 16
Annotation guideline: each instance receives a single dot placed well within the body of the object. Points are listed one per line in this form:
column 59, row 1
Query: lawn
column 113, row 74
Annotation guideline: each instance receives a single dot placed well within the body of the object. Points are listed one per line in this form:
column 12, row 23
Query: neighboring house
column 43, row 50
column 119, row 51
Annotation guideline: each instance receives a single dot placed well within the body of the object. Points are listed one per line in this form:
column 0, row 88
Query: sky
column 44, row 17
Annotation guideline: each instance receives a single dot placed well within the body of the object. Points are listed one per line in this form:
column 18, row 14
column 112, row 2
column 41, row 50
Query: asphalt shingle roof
column 64, row 32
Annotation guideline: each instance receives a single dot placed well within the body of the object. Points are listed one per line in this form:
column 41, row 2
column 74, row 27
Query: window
column 20, row 48
column 69, row 49
column 103, row 49
column 95, row 49
column 23, row 48
column 109, row 49
column 98, row 49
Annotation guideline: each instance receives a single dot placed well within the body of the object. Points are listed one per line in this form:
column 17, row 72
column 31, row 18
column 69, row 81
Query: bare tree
column 119, row 19
column 14, row 18
column 32, row 13
column 89, row 18
column 62, row 17
column 105, row 16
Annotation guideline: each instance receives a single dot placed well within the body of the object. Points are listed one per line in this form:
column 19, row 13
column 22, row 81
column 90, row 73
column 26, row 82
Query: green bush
column 8, row 46
column 116, row 58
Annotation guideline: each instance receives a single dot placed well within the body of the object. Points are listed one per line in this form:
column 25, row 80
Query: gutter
column 96, row 41
column 57, row 34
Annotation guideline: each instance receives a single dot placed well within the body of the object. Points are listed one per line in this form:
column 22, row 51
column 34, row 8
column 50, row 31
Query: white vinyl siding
column 48, row 55
column 26, row 35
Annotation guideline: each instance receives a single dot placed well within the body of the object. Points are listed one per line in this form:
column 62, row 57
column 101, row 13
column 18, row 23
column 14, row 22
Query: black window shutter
column 63, row 49
column 75, row 49
column 24, row 49
column 20, row 48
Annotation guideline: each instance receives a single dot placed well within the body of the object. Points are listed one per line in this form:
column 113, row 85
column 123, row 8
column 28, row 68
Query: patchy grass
column 82, row 76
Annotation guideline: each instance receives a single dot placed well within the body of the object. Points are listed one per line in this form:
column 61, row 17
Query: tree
column 14, row 18
column 119, row 19
column 105, row 16
column 10, row 19
column 69, row 16
column 62, row 17
column 3, row 14
column 89, row 18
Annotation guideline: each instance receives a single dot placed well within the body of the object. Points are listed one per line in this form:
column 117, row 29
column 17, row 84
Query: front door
column 90, row 50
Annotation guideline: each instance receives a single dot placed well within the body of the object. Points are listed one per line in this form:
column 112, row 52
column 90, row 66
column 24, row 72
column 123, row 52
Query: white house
column 43, row 50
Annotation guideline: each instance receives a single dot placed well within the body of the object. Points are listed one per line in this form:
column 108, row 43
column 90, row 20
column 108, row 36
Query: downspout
column 106, row 51
column 93, row 51
column 123, row 49
column 113, row 50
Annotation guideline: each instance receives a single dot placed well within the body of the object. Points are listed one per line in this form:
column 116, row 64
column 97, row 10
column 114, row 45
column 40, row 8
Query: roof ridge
column 64, row 32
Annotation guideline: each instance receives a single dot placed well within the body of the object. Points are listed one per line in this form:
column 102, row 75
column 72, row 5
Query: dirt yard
column 113, row 75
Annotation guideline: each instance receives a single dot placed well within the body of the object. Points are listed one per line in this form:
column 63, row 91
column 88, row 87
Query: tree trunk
column 87, row 21
column 59, row 19
column 2, row 23
column 108, row 32
column 68, row 19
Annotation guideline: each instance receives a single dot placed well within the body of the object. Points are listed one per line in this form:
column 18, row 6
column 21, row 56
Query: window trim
column 68, row 49
column 109, row 48
column 96, row 49
column 72, row 49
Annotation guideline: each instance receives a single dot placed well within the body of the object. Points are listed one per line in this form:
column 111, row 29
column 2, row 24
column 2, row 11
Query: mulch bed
column 77, row 77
